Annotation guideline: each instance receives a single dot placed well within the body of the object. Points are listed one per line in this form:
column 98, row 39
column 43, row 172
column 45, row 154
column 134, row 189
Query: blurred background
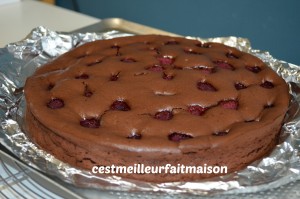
column 271, row 25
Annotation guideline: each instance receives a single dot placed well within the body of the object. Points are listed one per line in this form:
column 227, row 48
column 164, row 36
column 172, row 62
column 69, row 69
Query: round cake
column 156, row 100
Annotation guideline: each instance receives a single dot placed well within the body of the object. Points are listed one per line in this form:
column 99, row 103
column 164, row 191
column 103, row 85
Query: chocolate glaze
column 233, row 134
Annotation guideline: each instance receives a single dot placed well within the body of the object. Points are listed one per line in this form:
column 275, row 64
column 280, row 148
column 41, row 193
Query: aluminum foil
column 19, row 60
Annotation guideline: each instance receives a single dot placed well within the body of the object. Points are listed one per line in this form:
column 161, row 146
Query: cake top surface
column 155, row 92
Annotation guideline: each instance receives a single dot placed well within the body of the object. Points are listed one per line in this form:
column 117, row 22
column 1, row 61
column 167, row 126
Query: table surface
column 19, row 18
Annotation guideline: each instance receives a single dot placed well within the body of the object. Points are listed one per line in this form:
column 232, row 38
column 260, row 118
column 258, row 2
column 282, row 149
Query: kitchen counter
column 17, row 19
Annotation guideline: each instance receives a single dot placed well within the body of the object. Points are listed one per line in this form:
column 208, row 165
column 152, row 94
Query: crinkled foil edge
column 19, row 60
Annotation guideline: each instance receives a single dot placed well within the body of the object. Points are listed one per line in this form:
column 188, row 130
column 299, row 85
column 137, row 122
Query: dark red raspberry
column 224, row 65
column 50, row 86
column 205, row 86
column 196, row 110
column 55, row 103
column 128, row 60
column 136, row 136
column 82, row 76
column 163, row 115
column 177, row 137
column 155, row 49
column 87, row 92
column 166, row 60
column 172, row 42
column 249, row 121
column 254, row 69
column 206, row 45
column 120, row 105
column 114, row 77
column 239, row 86
column 167, row 76
column 267, row 84
column 90, row 122
column 156, row 68
column 220, row 133
column 199, row 44
column 229, row 104
column 231, row 55
column 115, row 47
column 269, row 106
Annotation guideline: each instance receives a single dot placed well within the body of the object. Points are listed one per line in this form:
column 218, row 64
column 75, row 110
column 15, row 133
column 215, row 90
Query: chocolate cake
column 156, row 100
